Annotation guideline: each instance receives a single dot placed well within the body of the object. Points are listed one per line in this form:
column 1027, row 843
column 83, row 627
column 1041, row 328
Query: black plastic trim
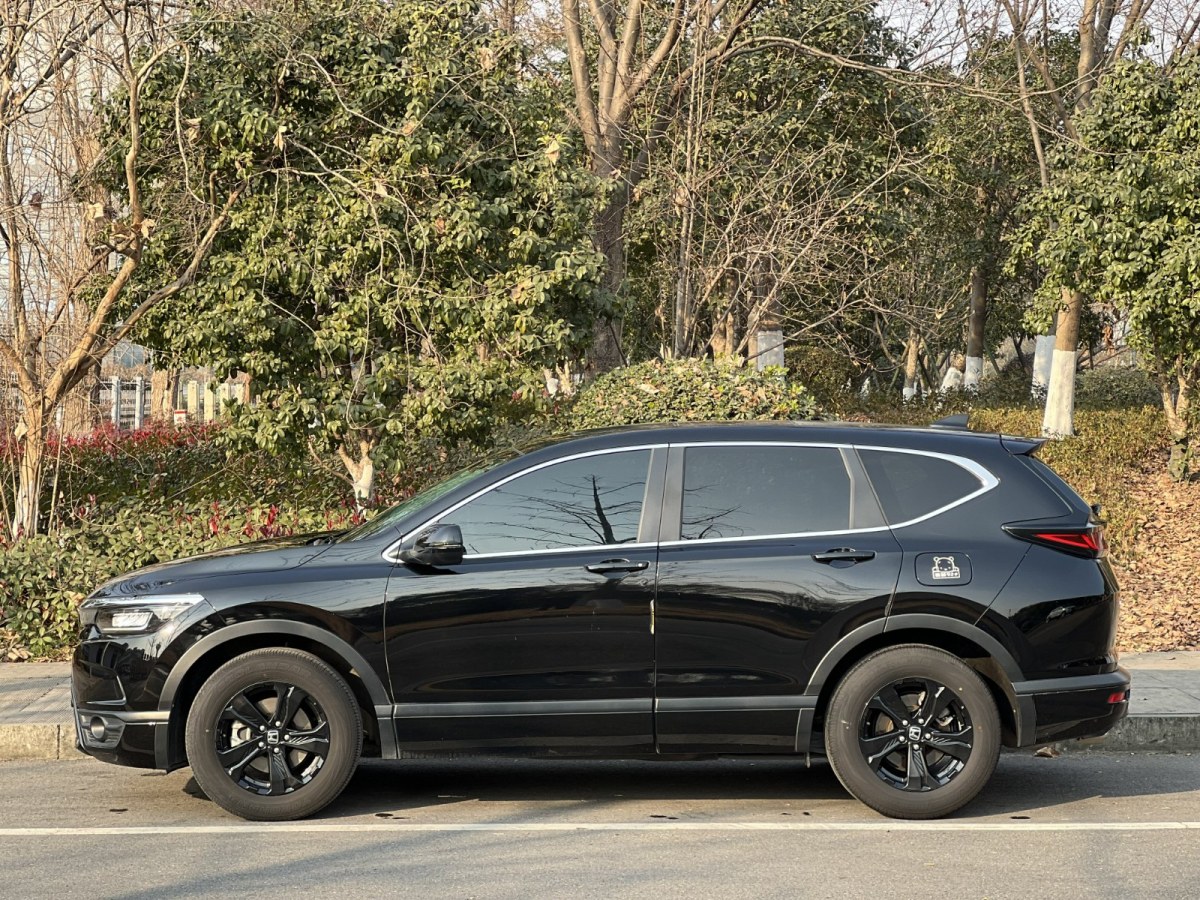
column 137, row 717
column 789, row 703
column 1116, row 680
column 521, row 708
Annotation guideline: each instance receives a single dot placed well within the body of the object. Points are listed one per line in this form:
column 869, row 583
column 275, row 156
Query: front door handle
column 609, row 566
column 844, row 554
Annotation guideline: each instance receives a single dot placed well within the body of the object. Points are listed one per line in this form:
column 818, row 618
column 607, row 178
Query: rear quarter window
column 912, row 485
column 1052, row 478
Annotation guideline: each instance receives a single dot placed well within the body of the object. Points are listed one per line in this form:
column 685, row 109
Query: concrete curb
column 1136, row 734
column 26, row 741
column 1161, row 734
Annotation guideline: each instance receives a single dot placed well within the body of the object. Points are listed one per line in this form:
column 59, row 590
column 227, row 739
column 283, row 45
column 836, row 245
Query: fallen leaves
column 1160, row 577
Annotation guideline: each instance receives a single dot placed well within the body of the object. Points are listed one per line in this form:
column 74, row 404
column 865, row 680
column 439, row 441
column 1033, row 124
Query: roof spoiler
column 1017, row 446
column 957, row 422
column 1021, row 446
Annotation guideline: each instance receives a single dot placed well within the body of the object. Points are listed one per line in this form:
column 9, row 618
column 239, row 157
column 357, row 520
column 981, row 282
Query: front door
column 769, row 552
column 539, row 641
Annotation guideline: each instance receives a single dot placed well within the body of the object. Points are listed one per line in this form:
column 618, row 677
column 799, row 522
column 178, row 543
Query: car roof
column 945, row 439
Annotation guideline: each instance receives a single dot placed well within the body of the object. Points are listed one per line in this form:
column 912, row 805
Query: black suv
column 901, row 600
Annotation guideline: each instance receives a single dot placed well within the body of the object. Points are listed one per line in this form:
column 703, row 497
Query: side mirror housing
column 441, row 545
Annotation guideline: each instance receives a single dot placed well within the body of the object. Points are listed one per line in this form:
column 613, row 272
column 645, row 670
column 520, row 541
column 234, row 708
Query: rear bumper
column 1076, row 707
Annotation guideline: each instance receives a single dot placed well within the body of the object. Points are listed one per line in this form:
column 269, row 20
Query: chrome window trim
column 580, row 549
column 770, row 537
column 987, row 480
column 390, row 553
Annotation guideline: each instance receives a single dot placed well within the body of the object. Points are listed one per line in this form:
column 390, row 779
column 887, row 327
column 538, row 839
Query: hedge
column 689, row 391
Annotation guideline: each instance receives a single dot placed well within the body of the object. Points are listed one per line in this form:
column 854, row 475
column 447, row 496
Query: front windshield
column 389, row 517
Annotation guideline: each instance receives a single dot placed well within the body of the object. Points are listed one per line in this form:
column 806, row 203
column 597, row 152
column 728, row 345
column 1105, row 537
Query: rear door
column 769, row 552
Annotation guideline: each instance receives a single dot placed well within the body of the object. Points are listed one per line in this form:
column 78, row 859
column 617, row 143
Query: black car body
column 650, row 591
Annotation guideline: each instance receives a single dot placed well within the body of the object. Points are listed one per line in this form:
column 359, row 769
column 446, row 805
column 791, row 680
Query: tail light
column 1087, row 540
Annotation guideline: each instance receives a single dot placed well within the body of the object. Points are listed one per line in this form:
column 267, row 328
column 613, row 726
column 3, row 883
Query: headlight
column 134, row 615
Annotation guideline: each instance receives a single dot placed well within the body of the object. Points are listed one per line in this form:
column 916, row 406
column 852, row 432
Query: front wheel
column 274, row 734
column 912, row 732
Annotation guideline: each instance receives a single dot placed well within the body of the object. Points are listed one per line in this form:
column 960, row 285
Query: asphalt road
column 1082, row 825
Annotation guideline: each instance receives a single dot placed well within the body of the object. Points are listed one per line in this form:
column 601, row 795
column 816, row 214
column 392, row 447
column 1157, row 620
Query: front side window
column 748, row 491
column 591, row 501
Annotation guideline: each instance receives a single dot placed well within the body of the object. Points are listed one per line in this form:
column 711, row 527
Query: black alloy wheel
column 916, row 734
column 912, row 732
column 272, row 738
column 274, row 734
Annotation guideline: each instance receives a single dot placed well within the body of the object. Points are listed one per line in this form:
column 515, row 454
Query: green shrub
column 1115, row 387
column 163, row 464
column 43, row 578
column 827, row 372
column 688, row 391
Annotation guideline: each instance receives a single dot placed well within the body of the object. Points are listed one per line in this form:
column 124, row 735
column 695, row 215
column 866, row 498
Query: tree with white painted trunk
column 1120, row 224
column 1106, row 32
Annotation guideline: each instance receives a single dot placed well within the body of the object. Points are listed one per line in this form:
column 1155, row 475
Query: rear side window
column 748, row 491
column 912, row 485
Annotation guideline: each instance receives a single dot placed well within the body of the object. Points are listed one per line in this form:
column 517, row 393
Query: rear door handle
column 844, row 554
column 609, row 566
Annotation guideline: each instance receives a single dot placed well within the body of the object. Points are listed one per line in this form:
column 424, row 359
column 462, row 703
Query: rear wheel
column 274, row 734
column 913, row 732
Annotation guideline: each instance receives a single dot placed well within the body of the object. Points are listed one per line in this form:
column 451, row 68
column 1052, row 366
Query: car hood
column 271, row 555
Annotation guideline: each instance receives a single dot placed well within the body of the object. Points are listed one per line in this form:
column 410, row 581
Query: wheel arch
column 214, row 650
column 978, row 649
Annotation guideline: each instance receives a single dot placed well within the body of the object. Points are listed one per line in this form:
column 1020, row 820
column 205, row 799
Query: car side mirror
column 441, row 545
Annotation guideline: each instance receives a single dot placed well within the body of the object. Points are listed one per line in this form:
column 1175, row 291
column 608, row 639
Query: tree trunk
column 162, row 394
column 362, row 473
column 1059, row 419
column 912, row 366
column 31, row 470
column 973, row 371
column 1043, row 359
column 78, row 409
column 606, row 353
column 724, row 332
column 1177, row 403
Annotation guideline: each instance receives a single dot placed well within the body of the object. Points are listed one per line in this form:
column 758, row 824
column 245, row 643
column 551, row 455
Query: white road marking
column 392, row 829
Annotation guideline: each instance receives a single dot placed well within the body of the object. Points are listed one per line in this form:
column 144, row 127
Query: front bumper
column 1074, row 707
column 119, row 736
column 114, row 699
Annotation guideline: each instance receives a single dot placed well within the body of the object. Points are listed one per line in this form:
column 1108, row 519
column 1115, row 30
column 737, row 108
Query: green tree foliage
column 1121, row 222
column 413, row 251
column 689, row 390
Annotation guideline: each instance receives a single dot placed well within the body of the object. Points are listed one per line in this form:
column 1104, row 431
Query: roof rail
column 957, row 422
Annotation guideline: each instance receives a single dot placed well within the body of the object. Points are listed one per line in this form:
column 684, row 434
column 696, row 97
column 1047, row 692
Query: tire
column 905, row 692
column 267, row 769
